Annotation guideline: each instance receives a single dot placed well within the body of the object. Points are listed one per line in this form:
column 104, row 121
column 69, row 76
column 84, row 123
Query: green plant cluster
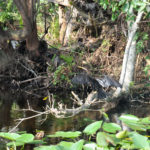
column 101, row 135
column 64, row 71
column 8, row 12
column 123, row 6
column 141, row 37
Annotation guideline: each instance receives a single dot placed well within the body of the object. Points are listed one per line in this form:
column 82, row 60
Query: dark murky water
column 11, row 105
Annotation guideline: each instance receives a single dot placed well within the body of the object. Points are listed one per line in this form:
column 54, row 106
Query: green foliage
column 109, row 136
column 19, row 139
column 92, row 128
column 141, row 37
column 123, row 6
column 48, row 17
column 67, row 59
column 111, row 127
column 63, row 72
column 8, row 11
column 66, row 134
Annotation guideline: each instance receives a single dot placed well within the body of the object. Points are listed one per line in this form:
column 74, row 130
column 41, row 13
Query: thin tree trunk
column 129, row 57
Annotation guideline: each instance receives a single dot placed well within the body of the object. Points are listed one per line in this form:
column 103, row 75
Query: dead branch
column 61, row 111
column 31, row 79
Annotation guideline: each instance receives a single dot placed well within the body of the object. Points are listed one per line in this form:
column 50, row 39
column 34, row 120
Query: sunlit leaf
column 66, row 145
column 47, row 148
column 78, row 145
column 93, row 127
column 13, row 144
column 128, row 117
column 142, row 7
column 9, row 136
column 101, row 139
column 136, row 126
column 121, row 2
column 90, row 146
column 68, row 134
column 139, row 141
column 25, row 138
column 126, row 144
column 133, row 122
column 146, row 120
column 125, row 7
column 111, row 127
column 122, row 134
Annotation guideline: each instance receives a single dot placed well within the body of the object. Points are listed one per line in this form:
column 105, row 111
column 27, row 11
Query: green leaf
column 15, row 144
column 25, row 138
column 111, row 127
column 90, row 146
column 66, row 145
column 92, row 128
column 133, row 122
column 67, row 59
column 78, row 145
column 126, row 7
column 142, row 7
column 9, row 136
column 122, row 134
column 145, row 120
column 126, row 144
column 52, row 147
column 101, row 139
column 105, row 6
column 68, row 134
column 147, row 57
column 139, row 141
column 128, row 117
column 37, row 142
column 121, row 2
column 113, row 17
column 136, row 126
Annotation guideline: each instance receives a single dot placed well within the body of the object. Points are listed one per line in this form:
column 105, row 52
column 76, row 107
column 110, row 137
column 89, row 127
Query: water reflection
column 11, row 102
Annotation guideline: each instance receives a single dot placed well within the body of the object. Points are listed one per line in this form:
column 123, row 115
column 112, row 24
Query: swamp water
column 12, row 103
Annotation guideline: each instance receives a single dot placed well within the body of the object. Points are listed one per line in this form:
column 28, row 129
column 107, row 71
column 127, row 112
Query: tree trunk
column 32, row 42
column 129, row 59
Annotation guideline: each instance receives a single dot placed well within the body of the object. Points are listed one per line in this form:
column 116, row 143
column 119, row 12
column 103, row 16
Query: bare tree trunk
column 130, row 56
column 32, row 42
column 29, row 32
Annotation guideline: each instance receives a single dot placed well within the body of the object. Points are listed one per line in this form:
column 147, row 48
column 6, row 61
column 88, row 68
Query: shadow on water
column 11, row 104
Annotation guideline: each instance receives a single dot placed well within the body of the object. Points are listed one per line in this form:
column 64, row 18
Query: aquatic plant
column 97, row 135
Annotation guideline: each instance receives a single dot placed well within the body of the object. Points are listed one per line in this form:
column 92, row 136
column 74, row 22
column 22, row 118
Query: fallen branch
column 63, row 112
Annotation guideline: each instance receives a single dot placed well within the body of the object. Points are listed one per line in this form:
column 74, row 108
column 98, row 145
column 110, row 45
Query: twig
column 77, row 99
column 29, row 80
column 30, row 70
column 27, row 118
